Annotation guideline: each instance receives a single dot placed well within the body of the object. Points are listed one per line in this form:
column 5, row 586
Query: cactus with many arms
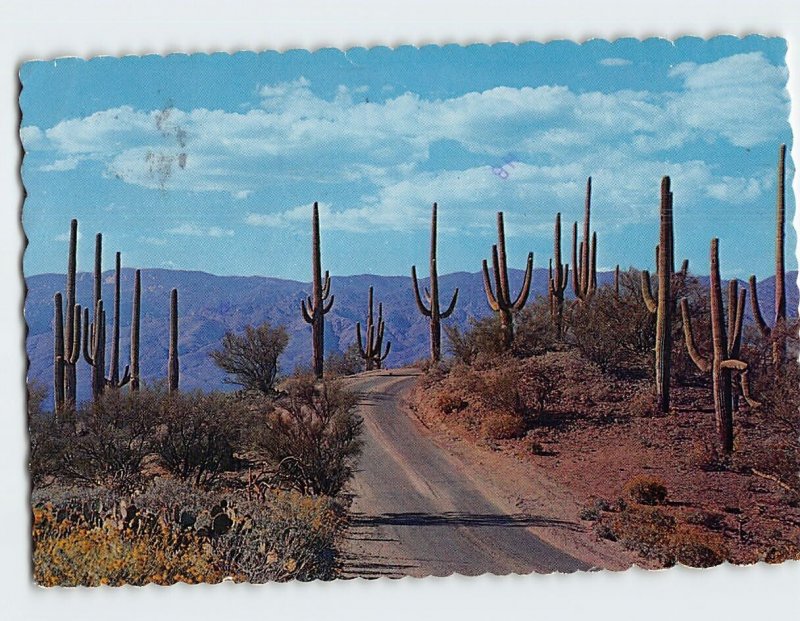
column 315, row 308
column 584, row 255
column 776, row 332
column 500, row 298
column 94, row 346
column 433, row 310
column 173, row 371
column 726, row 343
column 370, row 347
column 558, row 280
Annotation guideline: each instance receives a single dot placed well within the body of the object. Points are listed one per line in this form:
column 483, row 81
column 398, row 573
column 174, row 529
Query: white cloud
column 742, row 98
column 615, row 62
column 195, row 230
column 67, row 163
column 622, row 138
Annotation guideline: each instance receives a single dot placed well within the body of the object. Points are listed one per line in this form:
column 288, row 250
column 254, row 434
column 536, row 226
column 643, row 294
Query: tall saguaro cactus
column 114, row 380
column 135, row 320
column 433, row 311
column 559, row 277
column 371, row 346
column 71, row 323
column 663, row 306
column 500, row 298
column 726, row 345
column 94, row 346
column 314, row 313
column 584, row 256
column 776, row 332
column 172, row 363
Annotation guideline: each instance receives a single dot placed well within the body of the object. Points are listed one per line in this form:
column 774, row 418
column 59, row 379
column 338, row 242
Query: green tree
column 251, row 359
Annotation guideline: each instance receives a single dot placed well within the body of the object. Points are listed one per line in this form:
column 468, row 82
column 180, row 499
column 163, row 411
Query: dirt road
column 417, row 509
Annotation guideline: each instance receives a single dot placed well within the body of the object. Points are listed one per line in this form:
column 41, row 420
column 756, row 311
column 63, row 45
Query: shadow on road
column 453, row 518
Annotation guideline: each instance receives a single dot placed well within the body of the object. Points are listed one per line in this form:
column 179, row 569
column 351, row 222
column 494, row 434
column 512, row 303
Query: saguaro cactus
column 663, row 306
column 584, row 256
column 557, row 284
column 72, row 322
column 94, row 346
column 135, row 318
column 776, row 332
column 500, row 298
column 370, row 347
column 314, row 312
column 172, row 362
column 726, row 344
column 433, row 310
column 114, row 380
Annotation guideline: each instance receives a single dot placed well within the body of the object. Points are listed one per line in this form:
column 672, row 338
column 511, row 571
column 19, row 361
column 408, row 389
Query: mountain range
column 210, row 306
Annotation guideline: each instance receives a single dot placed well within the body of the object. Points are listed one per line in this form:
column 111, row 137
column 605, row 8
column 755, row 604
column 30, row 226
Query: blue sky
column 211, row 162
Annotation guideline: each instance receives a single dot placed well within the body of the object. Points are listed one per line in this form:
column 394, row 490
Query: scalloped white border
column 87, row 28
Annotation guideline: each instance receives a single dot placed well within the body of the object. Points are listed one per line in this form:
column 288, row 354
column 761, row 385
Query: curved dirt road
column 416, row 512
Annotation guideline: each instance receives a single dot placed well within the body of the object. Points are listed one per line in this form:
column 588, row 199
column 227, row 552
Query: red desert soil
column 584, row 458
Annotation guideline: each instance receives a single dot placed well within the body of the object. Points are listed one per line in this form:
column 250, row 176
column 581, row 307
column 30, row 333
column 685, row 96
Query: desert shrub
column 589, row 514
column 534, row 332
column 197, row 433
column 646, row 530
column 504, row 426
column 70, row 551
column 643, row 403
column 449, row 403
column 312, row 435
column 287, row 536
column 646, row 491
column 481, row 340
column 251, row 359
column 779, row 394
column 342, row 364
column 577, row 380
column 110, row 440
column 696, row 548
column 615, row 332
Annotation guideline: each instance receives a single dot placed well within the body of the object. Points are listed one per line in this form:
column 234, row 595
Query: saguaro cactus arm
column 701, row 362
column 647, row 292
column 420, row 304
column 449, row 310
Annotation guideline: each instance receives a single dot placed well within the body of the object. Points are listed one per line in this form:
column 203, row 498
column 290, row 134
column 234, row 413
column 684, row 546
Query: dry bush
column 312, row 435
column 646, row 490
column 503, row 426
column 643, row 403
column 615, row 332
column 343, row 364
column 251, row 359
column 71, row 551
column 647, row 530
column 110, row 440
column 197, row 434
column 449, row 403
column 534, row 332
column 695, row 547
column 480, row 341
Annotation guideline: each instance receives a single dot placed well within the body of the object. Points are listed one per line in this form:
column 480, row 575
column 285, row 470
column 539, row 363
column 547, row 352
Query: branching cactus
column 433, row 311
column 135, row 322
column 371, row 346
column 173, row 371
column 318, row 304
column 663, row 306
column 499, row 298
column 584, row 255
column 72, row 321
column 776, row 333
column 724, row 359
column 94, row 346
column 557, row 283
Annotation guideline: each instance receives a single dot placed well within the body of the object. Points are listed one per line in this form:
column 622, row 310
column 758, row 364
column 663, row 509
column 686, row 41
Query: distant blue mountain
column 212, row 305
